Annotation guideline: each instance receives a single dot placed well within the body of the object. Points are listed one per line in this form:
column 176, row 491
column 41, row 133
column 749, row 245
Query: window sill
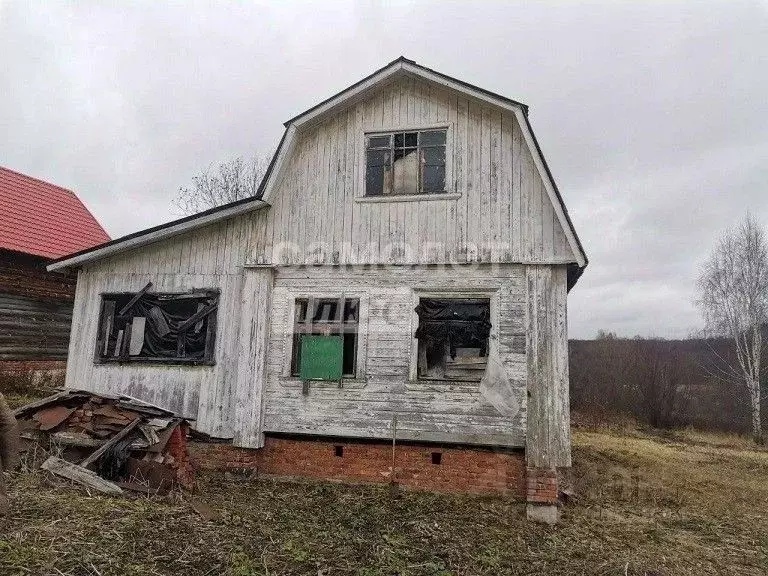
column 409, row 197
column 443, row 386
column 350, row 383
column 153, row 362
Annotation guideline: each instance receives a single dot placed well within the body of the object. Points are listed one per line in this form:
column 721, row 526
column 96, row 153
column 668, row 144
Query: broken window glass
column 327, row 317
column 453, row 338
column 158, row 327
column 378, row 172
column 406, row 163
column 433, row 169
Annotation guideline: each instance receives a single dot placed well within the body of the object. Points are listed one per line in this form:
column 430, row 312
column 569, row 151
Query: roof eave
column 157, row 233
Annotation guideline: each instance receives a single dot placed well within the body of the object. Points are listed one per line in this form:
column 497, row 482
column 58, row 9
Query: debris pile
column 109, row 443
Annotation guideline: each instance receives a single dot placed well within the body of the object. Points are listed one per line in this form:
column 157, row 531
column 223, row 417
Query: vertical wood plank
column 460, row 168
column 516, row 211
column 496, row 168
column 548, row 434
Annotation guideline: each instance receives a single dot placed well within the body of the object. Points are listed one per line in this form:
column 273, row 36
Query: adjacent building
column 38, row 222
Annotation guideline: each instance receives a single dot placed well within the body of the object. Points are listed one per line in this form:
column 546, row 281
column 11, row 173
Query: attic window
column 453, row 338
column 405, row 163
column 174, row 328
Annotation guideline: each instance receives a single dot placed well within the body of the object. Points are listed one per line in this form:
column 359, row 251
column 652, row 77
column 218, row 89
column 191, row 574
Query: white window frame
column 362, row 337
column 449, row 193
column 494, row 295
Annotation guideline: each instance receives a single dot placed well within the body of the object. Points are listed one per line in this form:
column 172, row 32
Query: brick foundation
column 541, row 486
column 433, row 468
column 542, row 495
column 21, row 366
column 178, row 449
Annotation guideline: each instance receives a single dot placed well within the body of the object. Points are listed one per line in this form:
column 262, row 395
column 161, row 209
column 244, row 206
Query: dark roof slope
column 42, row 219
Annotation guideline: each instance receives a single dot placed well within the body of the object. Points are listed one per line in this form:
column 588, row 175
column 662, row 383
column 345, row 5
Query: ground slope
column 649, row 504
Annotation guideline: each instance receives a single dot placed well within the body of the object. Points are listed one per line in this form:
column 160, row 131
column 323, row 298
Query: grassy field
column 648, row 504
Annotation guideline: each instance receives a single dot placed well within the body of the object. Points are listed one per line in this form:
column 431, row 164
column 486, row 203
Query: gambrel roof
column 276, row 168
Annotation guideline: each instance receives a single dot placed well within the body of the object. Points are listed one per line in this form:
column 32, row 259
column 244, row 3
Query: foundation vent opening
column 338, row 451
column 437, row 457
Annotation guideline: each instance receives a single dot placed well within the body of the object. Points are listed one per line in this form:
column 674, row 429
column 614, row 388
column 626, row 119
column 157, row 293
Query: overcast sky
column 653, row 116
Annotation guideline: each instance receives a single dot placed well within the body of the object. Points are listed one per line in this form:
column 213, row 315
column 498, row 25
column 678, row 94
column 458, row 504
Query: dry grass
column 648, row 505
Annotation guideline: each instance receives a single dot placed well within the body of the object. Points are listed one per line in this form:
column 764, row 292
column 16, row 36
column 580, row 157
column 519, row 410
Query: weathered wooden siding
column 248, row 397
column 35, row 309
column 385, row 386
column 498, row 209
column 207, row 258
column 548, row 439
column 32, row 329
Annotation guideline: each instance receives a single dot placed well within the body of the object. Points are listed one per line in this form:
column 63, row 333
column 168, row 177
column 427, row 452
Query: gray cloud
column 652, row 116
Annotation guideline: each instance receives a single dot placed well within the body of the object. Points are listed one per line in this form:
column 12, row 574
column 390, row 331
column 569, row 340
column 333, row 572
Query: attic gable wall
column 500, row 211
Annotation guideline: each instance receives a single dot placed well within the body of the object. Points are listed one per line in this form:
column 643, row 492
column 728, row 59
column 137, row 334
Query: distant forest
column 663, row 383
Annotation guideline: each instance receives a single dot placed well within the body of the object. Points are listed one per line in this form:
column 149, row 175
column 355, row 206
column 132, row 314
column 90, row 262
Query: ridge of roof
column 419, row 67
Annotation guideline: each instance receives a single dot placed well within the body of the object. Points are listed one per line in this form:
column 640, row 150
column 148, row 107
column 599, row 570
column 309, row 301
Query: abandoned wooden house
column 391, row 305
column 38, row 221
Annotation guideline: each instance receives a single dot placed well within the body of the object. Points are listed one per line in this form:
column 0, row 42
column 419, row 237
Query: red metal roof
column 42, row 219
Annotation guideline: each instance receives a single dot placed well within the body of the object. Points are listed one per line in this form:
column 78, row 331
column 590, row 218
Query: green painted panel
column 321, row 357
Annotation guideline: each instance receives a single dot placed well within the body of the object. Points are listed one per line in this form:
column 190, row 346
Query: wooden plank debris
column 138, row 324
column 86, row 422
column 132, row 302
column 114, row 440
column 79, row 440
column 197, row 316
column 80, row 475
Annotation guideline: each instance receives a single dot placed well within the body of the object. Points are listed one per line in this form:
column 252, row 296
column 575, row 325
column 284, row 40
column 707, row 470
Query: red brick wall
column 177, row 447
column 541, row 486
column 460, row 469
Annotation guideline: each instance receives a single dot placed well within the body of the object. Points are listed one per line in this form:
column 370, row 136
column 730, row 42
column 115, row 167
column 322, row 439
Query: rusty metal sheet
column 49, row 418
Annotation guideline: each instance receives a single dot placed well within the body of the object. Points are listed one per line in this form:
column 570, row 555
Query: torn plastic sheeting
column 460, row 323
column 497, row 388
column 164, row 316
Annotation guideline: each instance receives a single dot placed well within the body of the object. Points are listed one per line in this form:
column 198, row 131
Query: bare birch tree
column 222, row 184
column 733, row 297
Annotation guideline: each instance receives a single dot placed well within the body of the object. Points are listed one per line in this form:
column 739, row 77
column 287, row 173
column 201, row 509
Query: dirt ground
column 649, row 503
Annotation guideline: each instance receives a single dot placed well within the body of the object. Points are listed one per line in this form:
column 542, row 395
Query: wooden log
column 80, row 475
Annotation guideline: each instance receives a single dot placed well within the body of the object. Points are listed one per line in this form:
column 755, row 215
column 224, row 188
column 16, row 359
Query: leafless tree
column 222, row 184
column 733, row 297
